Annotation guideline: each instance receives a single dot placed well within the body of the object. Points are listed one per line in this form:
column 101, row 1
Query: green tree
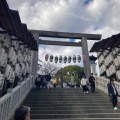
column 67, row 71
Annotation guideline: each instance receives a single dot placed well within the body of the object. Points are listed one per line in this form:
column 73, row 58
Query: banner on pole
column 84, row 57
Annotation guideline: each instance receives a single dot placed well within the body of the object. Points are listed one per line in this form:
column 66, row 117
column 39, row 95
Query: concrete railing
column 14, row 97
column 101, row 84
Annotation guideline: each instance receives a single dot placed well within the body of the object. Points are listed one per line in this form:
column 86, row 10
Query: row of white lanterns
column 65, row 59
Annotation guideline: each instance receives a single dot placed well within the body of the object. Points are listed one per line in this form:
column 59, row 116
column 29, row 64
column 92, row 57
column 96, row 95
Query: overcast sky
column 78, row 16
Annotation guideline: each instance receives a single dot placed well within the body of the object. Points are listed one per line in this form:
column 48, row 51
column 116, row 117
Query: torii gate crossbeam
column 60, row 43
column 66, row 35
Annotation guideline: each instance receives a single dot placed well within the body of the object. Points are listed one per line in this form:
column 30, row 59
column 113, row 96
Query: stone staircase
column 70, row 104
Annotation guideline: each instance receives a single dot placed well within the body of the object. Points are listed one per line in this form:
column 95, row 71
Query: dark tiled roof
column 113, row 41
column 25, row 32
column 17, row 23
column 10, row 21
column 6, row 21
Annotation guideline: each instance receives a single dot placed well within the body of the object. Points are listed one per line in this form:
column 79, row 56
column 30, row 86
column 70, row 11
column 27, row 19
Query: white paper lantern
column 3, row 57
column 5, row 39
column 14, row 59
column 118, row 57
column 113, row 69
column 28, row 68
column 117, row 49
column 20, row 71
column 116, row 61
column 102, row 58
column 19, row 58
column 1, row 80
column 10, row 53
column 15, row 45
column 106, row 62
column 104, row 68
column 114, row 51
column 23, row 67
column 29, row 59
column 4, row 60
column 22, row 48
column 105, row 52
column 25, row 70
column 110, row 57
column 25, row 59
column 99, row 61
column 8, row 71
column 100, row 70
column 107, row 72
column 17, row 69
column 118, row 74
column 2, row 52
column 12, row 78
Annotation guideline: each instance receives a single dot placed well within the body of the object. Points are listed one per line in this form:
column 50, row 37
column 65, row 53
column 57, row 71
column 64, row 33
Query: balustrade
column 101, row 84
column 14, row 97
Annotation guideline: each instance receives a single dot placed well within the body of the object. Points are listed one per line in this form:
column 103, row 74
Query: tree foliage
column 67, row 71
column 47, row 67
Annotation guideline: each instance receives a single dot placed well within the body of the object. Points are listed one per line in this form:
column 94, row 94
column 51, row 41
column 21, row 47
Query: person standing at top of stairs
column 48, row 78
column 38, row 81
column 84, row 82
column 92, row 82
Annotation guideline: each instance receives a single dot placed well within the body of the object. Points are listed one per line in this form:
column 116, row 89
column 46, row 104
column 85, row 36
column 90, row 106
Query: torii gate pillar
column 86, row 60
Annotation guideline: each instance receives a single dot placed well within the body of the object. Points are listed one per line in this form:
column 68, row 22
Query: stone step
column 61, row 93
column 67, row 100
column 62, row 89
column 82, row 111
column 81, row 119
column 70, row 107
column 83, row 115
column 66, row 91
column 66, row 97
column 67, row 104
